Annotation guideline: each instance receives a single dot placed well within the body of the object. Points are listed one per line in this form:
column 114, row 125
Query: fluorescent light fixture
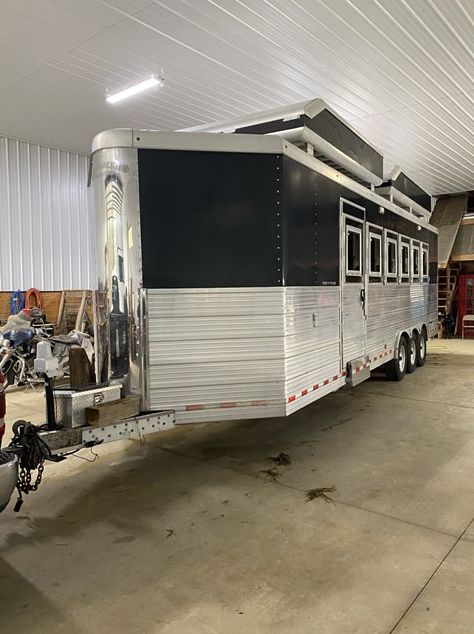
column 135, row 90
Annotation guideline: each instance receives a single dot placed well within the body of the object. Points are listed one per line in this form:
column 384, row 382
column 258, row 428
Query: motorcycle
column 18, row 343
column 17, row 354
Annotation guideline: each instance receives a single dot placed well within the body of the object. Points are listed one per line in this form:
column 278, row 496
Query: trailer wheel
column 396, row 368
column 421, row 349
column 412, row 357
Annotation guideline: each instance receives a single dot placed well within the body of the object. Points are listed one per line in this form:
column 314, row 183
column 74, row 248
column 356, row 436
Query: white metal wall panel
column 46, row 219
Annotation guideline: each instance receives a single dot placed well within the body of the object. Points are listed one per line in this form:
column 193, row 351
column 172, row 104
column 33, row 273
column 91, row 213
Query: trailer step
column 358, row 370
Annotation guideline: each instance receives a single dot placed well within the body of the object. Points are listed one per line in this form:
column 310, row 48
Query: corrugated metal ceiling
column 400, row 71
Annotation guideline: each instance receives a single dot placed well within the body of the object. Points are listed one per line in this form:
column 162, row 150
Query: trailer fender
column 407, row 332
column 401, row 333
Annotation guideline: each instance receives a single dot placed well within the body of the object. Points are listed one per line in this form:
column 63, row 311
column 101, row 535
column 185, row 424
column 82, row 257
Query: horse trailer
column 251, row 268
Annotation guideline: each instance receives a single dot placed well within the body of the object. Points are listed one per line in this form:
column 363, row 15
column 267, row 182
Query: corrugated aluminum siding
column 46, row 221
column 230, row 353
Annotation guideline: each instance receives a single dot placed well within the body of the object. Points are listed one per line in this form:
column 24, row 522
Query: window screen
column 375, row 251
column 391, row 257
column 353, row 251
column 405, row 260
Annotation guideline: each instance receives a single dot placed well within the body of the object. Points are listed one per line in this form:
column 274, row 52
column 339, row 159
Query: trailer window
column 416, row 261
column 375, row 251
column 353, row 251
column 392, row 269
column 424, row 263
column 405, row 260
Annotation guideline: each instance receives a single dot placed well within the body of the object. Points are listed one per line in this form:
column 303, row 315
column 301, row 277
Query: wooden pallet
column 75, row 311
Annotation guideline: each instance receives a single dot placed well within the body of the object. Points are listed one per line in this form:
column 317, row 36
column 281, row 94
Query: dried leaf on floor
column 271, row 474
column 281, row 459
column 314, row 494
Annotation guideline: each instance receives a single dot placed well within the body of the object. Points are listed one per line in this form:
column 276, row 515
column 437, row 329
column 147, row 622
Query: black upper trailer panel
column 233, row 219
column 210, row 219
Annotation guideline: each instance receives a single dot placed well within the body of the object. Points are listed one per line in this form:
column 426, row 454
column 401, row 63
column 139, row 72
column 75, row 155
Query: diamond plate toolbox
column 71, row 404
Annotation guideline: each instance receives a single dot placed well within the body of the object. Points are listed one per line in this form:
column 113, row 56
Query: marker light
column 135, row 90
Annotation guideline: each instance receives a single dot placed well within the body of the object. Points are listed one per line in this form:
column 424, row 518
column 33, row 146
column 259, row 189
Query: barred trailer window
column 425, row 263
column 415, row 261
column 392, row 268
column 375, row 251
column 405, row 260
column 353, row 251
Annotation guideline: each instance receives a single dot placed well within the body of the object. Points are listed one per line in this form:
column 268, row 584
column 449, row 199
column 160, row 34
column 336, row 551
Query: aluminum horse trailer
column 254, row 267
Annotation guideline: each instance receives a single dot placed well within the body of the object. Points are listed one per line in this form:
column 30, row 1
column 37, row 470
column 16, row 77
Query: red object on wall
column 465, row 304
column 38, row 298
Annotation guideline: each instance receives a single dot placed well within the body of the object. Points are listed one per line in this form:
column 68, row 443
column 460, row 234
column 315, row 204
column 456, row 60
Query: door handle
column 362, row 296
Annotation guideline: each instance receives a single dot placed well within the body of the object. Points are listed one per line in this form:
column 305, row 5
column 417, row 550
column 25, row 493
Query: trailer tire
column 396, row 368
column 412, row 356
column 421, row 348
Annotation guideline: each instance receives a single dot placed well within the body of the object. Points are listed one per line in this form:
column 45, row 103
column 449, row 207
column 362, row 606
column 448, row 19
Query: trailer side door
column 353, row 282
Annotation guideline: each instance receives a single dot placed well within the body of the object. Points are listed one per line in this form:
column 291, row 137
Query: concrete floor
column 183, row 534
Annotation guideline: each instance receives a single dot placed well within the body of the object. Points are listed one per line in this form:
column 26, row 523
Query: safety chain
column 32, row 451
column 24, row 484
